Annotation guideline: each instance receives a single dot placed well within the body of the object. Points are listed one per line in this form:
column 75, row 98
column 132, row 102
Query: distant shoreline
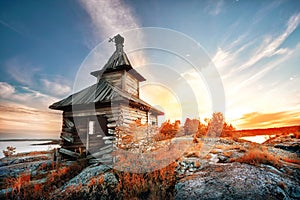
column 23, row 140
column 38, row 141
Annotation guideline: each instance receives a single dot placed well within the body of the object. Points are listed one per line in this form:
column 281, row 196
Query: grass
column 22, row 188
column 16, row 184
column 151, row 185
column 256, row 156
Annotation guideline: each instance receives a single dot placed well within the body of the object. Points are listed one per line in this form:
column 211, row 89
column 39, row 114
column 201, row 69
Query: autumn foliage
column 214, row 127
column 167, row 130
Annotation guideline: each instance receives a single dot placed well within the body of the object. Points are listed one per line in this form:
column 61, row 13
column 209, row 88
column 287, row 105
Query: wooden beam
column 69, row 153
column 109, row 138
column 100, row 153
column 108, row 142
column 68, row 123
column 106, row 147
column 68, row 130
column 102, row 160
column 67, row 138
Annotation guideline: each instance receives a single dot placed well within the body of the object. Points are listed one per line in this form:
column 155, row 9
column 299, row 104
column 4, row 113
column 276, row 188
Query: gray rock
column 236, row 181
column 223, row 159
column 88, row 173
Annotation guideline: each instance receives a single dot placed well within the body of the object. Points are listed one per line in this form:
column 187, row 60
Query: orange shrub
column 167, row 130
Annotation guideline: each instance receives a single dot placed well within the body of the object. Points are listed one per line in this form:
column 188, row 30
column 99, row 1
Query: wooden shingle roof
column 101, row 93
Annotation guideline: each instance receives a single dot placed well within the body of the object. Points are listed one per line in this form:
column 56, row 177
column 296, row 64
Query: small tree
column 10, row 151
column 215, row 125
column 202, row 129
column 191, row 126
column 168, row 130
column 228, row 130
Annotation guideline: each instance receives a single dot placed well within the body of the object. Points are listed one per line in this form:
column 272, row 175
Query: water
column 258, row 138
column 26, row 146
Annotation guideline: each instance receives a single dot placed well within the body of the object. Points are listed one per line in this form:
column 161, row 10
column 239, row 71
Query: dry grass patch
column 16, row 184
column 23, row 187
column 258, row 156
column 151, row 185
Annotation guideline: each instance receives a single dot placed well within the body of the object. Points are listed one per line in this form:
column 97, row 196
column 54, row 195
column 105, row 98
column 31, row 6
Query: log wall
column 115, row 78
column 124, row 81
column 129, row 115
column 131, row 84
column 76, row 138
column 75, row 131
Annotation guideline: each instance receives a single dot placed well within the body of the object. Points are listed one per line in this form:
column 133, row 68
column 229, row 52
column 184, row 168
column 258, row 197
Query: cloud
column 238, row 62
column 56, row 88
column 19, row 121
column 249, row 69
column 26, row 96
column 10, row 27
column 214, row 8
column 25, row 111
column 21, row 71
column 239, row 54
column 264, row 11
column 270, row 47
column 6, row 90
column 109, row 17
column 30, row 76
column 265, row 120
column 267, row 68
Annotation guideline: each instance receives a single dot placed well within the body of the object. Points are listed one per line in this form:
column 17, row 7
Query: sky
column 254, row 46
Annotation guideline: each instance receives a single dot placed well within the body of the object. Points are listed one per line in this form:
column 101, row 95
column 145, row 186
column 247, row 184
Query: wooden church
column 91, row 115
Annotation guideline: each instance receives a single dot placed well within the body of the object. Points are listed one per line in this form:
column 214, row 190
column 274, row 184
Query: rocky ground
column 210, row 168
column 217, row 176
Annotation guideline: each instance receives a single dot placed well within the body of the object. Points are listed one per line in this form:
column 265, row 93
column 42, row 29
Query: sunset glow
column 170, row 105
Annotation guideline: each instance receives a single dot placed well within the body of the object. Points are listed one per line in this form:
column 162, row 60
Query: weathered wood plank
column 68, row 152
column 111, row 125
column 100, row 160
column 100, row 153
column 106, row 147
column 112, row 119
column 68, row 123
column 106, row 156
column 111, row 131
column 67, row 138
column 108, row 142
column 68, row 130
column 109, row 138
